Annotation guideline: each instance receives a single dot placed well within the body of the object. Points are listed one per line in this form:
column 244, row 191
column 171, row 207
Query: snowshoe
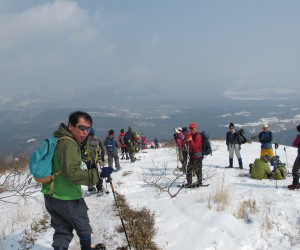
column 293, row 186
column 99, row 246
column 229, row 167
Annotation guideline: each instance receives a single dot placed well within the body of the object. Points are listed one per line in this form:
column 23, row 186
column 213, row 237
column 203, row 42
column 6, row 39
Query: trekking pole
column 112, row 188
column 286, row 157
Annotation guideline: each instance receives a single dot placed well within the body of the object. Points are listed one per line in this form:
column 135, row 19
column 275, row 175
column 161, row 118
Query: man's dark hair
column 74, row 117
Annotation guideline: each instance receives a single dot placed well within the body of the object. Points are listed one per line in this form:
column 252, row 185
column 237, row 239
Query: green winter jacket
column 67, row 157
column 260, row 170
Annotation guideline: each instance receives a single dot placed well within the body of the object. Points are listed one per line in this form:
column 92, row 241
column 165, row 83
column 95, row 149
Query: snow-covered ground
column 193, row 219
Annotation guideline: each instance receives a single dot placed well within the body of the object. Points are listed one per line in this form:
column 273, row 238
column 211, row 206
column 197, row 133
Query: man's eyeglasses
column 83, row 127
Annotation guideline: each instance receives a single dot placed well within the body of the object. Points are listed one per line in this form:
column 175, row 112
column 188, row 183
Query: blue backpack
column 40, row 164
column 110, row 144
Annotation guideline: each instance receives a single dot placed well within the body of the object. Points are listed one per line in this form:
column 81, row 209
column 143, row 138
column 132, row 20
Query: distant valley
column 36, row 118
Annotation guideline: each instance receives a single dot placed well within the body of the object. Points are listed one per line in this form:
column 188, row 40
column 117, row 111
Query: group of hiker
column 64, row 198
column 189, row 145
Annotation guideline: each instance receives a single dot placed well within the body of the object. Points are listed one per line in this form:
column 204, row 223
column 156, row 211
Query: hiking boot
column 241, row 167
column 229, row 167
column 122, row 158
column 294, row 186
column 92, row 189
column 133, row 160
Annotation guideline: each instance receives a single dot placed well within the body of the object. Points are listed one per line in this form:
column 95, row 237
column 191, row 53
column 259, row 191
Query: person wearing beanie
column 124, row 149
column 296, row 166
column 265, row 138
column 234, row 142
column 112, row 145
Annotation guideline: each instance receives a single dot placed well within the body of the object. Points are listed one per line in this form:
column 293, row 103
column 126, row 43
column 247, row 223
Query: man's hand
column 189, row 138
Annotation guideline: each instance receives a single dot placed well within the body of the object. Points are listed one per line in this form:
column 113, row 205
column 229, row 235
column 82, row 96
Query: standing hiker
column 124, row 149
column 64, row 201
column 112, row 146
column 93, row 155
column 296, row 166
column 265, row 138
column 130, row 140
column 194, row 141
column 233, row 142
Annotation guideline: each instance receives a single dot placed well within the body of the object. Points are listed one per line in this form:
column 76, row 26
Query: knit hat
column 184, row 129
column 231, row 125
column 122, row 130
column 265, row 125
column 111, row 132
column 298, row 128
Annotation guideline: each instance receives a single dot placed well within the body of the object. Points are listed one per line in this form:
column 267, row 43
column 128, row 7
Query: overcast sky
column 180, row 47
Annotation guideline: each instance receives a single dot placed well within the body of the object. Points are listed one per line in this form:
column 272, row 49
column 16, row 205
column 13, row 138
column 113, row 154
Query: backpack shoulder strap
column 54, row 175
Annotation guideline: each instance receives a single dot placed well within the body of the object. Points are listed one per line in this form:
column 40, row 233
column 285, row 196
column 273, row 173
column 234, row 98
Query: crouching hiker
column 296, row 166
column 261, row 169
column 63, row 199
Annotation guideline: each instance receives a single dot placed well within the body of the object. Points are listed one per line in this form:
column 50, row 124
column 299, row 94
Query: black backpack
column 128, row 139
column 206, row 149
column 242, row 136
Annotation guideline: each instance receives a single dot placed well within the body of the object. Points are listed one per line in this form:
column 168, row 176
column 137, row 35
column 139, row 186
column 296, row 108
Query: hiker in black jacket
column 233, row 142
column 130, row 140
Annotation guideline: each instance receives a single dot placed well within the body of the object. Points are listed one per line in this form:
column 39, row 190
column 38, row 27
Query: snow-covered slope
column 192, row 219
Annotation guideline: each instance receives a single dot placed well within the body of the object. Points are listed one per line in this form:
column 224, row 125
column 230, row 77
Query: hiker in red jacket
column 194, row 141
column 124, row 149
column 296, row 166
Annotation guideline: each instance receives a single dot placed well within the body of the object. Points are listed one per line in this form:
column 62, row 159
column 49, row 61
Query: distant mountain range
column 26, row 117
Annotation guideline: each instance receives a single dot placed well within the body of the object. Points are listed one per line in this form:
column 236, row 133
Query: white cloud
column 41, row 20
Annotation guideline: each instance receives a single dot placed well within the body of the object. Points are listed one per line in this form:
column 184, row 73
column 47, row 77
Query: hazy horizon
column 174, row 49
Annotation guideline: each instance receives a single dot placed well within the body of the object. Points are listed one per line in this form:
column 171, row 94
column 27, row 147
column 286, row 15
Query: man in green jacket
column 63, row 198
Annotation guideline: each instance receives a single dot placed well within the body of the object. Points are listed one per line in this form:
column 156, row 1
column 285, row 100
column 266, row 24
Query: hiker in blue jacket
column 112, row 145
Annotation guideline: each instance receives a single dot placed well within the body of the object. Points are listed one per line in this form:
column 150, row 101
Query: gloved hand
column 276, row 145
column 189, row 138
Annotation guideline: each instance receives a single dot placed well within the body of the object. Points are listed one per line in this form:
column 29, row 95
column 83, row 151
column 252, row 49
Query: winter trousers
column 295, row 170
column 131, row 151
column 111, row 157
column 125, row 153
column 235, row 149
column 90, row 165
column 194, row 165
column 67, row 215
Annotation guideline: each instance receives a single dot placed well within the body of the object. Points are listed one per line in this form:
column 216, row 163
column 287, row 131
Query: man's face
column 81, row 130
column 194, row 130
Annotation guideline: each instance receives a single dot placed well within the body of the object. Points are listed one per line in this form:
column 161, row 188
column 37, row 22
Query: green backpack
column 280, row 173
